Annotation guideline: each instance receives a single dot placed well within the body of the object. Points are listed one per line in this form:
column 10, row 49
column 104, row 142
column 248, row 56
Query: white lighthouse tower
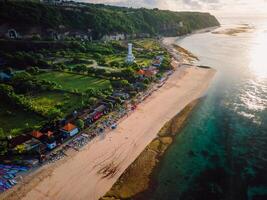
column 130, row 57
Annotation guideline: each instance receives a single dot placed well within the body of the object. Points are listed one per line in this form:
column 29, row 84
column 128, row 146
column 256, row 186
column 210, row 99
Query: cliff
column 97, row 20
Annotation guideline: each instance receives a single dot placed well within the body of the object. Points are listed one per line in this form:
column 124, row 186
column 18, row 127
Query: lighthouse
column 130, row 57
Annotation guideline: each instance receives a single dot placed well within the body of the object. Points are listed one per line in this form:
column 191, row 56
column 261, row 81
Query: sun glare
column 258, row 55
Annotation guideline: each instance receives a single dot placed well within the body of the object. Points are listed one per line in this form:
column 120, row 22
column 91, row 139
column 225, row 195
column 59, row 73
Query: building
column 141, row 72
column 32, row 144
column 147, row 72
column 47, row 138
column 12, row 34
column 70, row 129
column 122, row 95
column 130, row 57
column 157, row 61
column 99, row 112
column 2, row 62
column 117, row 37
column 52, row 2
column 36, row 134
column 5, row 77
column 150, row 71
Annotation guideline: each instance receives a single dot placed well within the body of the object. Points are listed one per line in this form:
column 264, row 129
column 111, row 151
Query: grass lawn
column 72, row 82
column 145, row 62
column 117, row 58
column 147, row 44
column 13, row 120
column 66, row 102
column 139, row 60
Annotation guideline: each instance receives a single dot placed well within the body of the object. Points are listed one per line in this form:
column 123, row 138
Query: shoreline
column 149, row 161
column 90, row 173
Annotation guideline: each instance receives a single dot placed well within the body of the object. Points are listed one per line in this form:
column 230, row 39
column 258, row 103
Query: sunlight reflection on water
column 258, row 55
column 221, row 153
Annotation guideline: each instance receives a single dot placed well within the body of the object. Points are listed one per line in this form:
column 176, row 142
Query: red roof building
column 36, row 134
column 140, row 72
column 69, row 127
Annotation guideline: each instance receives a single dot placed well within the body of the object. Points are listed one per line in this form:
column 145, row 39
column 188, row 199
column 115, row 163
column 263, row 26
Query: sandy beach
column 90, row 173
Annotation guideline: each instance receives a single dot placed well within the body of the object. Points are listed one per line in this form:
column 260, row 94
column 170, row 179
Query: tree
column 6, row 90
column 2, row 134
column 93, row 92
column 166, row 64
column 128, row 74
column 20, row 148
column 54, row 114
column 80, row 123
column 59, row 66
column 124, row 83
column 32, row 70
column 8, row 70
column 114, row 64
column 91, row 70
column 80, row 68
column 91, row 101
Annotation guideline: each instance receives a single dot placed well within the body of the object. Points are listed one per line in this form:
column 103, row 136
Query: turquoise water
column 222, row 151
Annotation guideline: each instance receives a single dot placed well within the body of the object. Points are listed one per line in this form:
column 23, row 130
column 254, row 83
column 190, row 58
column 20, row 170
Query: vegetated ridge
column 102, row 19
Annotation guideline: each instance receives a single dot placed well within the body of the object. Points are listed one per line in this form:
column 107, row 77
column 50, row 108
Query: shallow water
column 222, row 151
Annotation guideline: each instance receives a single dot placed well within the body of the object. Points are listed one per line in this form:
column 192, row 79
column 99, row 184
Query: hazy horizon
column 216, row 7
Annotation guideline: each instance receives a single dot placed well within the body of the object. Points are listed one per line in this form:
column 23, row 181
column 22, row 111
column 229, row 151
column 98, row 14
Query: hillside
column 99, row 20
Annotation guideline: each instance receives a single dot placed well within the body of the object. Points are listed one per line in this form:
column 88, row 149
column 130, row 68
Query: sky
column 219, row 7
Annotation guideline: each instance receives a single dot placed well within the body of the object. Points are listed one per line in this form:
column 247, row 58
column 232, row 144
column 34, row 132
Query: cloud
column 193, row 4
column 234, row 6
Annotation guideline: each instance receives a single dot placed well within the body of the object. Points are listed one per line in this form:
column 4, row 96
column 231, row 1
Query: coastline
column 90, row 173
column 149, row 161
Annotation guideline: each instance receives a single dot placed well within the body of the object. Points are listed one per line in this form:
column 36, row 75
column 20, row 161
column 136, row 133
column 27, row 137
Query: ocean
column 221, row 153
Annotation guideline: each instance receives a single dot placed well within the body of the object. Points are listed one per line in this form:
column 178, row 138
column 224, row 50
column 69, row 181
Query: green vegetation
column 14, row 121
column 104, row 19
column 57, row 77
column 74, row 82
column 147, row 44
column 66, row 103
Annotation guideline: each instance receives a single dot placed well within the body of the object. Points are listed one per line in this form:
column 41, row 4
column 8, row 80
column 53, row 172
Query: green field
column 144, row 62
column 13, row 121
column 74, row 82
column 139, row 60
column 65, row 102
column 147, row 44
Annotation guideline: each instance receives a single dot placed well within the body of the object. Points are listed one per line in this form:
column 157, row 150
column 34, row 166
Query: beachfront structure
column 50, row 142
column 157, row 61
column 130, row 57
column 147, row 72
column 52, row 2
column 122, row 95
column 24, row 143
column 70, row 129
column 47, row 138
column 5, row 77
column 97, row 113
